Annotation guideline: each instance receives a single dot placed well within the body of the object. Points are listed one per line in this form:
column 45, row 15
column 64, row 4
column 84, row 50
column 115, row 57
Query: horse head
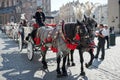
column 79, row 11
column 86, row 29
column 91, row 25
column 71, row 30
column 81, row 29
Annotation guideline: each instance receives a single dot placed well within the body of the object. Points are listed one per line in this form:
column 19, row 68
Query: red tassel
column 43, row 48
column 72, row 46
column 77, row 37
column 48, row 40
column 37, row 41
column 54, row 49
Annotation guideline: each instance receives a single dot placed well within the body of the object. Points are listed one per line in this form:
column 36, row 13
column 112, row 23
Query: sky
column 56, row 4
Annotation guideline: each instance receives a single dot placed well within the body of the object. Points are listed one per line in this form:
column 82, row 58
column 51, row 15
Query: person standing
column 40, row 17
column 107, row 36
column 101, row 42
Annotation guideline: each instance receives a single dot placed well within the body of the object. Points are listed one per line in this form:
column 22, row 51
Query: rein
column 66, row 39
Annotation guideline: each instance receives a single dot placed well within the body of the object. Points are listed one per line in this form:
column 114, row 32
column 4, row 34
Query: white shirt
column 103, row 32
column 107, row 32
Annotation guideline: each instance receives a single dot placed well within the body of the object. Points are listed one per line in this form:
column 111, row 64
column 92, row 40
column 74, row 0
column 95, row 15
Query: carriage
column 22, row 33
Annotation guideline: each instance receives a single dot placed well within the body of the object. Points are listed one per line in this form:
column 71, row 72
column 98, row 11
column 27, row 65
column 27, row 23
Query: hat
column 39, row 7
column 101, row 24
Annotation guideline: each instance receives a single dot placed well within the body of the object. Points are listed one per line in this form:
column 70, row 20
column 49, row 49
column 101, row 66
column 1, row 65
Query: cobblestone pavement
column 15, row 65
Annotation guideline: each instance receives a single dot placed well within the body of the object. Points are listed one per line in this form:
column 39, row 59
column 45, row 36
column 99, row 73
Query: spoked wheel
column 30, row 53
column 20, row 43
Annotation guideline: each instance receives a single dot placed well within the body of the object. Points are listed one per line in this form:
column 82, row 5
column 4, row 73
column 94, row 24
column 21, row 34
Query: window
column 17, row 0
column 8, row 3
column 3, row 4
column 12, row 3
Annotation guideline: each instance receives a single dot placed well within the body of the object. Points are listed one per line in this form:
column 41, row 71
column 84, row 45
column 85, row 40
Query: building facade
column 55, row 14
column 8, row 11
column 66, row 12
column 11, row 10
column 47, row 7
column 101, row 14
column 114, row 14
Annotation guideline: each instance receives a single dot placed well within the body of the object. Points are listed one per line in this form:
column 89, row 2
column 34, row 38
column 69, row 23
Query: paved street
column 14, row 65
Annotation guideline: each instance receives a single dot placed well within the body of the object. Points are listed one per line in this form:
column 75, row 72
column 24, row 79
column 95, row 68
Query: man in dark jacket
column 40, row 17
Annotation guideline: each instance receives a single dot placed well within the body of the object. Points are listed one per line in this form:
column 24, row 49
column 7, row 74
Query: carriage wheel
column 20, row 43
column 30, row 53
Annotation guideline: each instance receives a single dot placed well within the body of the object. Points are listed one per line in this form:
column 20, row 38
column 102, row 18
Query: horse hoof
column 73, row 64
column 68, row 64
column 82, row 74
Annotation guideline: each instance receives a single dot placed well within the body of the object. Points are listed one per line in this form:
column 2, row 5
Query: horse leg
column 81, row 60
column 44, row 59
column 91, row 60
column 72, row 51
column 68, row 60
column 58, row 66
column 63, row 66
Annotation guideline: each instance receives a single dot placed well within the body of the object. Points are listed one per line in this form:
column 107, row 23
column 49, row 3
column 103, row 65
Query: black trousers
column 107, row 39
column 101, row 46
column 32, row 34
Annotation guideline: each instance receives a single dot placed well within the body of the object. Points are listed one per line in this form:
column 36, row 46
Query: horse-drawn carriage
column 62, row 38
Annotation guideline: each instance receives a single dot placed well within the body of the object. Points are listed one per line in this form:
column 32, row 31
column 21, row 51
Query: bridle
column 90, row 24
column 82, row 31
